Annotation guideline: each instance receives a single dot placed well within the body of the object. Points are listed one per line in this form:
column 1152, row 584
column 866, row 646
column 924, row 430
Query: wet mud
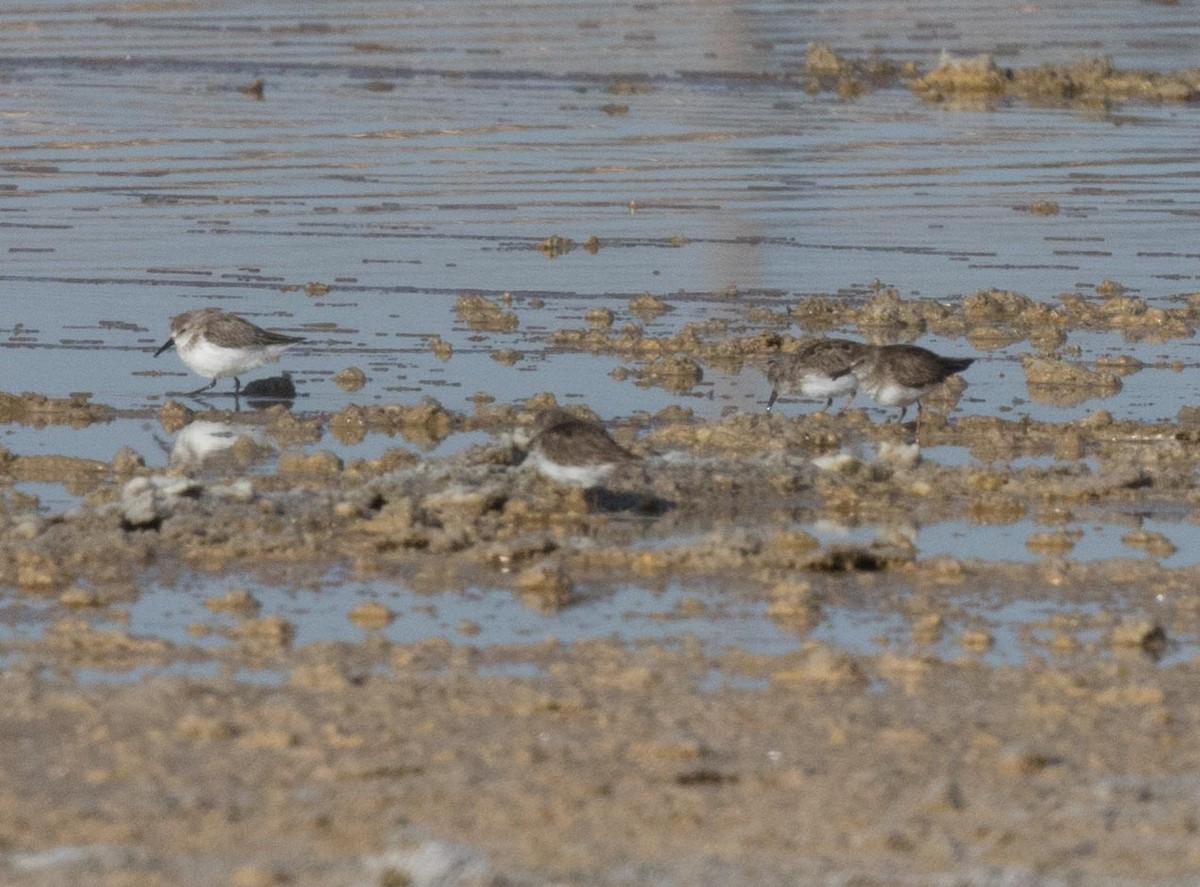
column 336, row 630
column 968, row 80
column 599, row 740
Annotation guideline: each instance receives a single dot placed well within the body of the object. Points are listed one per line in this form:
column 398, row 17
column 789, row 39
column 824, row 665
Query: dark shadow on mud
column 622, row 501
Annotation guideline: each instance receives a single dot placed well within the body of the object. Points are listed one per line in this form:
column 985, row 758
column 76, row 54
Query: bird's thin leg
column 772, row 398
column 201, row 389
column 237, row 386
column 828, row 404
column 846, row 405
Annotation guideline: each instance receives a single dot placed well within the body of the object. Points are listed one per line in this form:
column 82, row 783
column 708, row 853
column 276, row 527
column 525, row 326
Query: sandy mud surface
column 915, row 758
column 336, row 632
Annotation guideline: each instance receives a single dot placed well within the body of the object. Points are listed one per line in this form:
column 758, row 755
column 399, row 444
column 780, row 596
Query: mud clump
column 507, row 356
column 821, row 664
column 600, row 317
column 1098, row 80
column 424, row 424
column 630, row 86
column 976, row 81
column 173, row 416
column 1042, row 208
column 824, row 69
column 888, row 311
column 372, row 615
column 350, row 425
column 648, row 306
column 554, row 246
column 545, row 588
column 1004, row 306
column 80, row 475
column 350, row 379
column 265, row 635
column 322, row 463
column 237, row 601
column 38, row 410
column 84, row 645
column 484, row 315
column 441, row 349
column 677, row 373
column 1129, row 315
column 1061, row 383
column 971, row 76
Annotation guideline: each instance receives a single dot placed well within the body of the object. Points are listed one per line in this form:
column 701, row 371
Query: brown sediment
column 647, row 306
column 627, row 756
column 825, row 69
column 507, row 356
column 677, row 373
column 441, row 349
column 39, row 410
column 974, row 81
column 350, row 379
column 988, row 319
column 371, row 748
column 555, row 245
column 481, row 313
column 1062, row 383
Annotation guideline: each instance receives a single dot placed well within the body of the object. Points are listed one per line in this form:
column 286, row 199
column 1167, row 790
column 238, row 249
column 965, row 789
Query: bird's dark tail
column 956, row 364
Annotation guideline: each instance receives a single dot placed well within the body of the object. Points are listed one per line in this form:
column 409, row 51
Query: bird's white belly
column 820, row 385
column 576, row 475
column 892, row 394
column 217, row 362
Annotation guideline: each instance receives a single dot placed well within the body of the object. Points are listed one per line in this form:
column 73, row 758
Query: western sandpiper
column 821, row 368
column 218, row 344
column 574, row 451
column 898, row 375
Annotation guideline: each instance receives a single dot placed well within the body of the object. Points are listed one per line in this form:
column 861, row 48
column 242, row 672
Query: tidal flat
column 334, row 631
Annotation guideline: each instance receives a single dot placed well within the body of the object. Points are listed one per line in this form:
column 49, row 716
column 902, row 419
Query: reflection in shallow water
column 402, row 155
column 219, row 447
column 704, row 616
column 1092, row 540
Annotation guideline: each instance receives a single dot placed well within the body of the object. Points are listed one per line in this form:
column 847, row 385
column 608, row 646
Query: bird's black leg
column 772, row 398
column 202, row 388
column 237, row 386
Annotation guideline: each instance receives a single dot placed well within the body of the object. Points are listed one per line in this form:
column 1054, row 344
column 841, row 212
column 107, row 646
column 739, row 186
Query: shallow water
column 403, row 154
column 702, row 616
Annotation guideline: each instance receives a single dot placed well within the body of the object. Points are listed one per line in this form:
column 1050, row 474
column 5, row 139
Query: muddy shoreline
column 334, row 632
column 916, row 757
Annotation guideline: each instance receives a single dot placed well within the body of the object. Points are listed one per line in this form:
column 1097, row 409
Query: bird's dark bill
column 165, row 345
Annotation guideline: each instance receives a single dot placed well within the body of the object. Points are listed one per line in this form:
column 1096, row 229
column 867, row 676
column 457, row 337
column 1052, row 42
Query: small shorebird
column 898, row 375
column 822, row 368
column 218, row 344
column 574, row 451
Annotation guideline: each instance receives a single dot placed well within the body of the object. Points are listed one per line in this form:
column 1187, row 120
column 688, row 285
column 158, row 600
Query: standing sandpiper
column 218, row 344
column 574, row 451
column 821, row 368
column 898, row 375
